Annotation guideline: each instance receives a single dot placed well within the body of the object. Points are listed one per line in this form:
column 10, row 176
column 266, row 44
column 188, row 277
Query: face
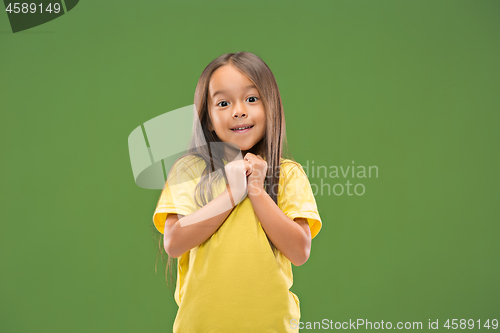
column 234, row 103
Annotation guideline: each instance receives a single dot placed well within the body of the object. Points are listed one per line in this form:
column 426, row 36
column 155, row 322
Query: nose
column 240, row 111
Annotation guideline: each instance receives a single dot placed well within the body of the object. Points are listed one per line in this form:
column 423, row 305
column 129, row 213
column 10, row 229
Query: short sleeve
column 296, row 198
column 177, row 196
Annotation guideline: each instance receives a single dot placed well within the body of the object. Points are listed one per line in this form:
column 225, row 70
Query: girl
column 236, row 224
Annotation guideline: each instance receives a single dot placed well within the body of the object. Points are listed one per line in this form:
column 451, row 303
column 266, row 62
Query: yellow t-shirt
column 232, row 282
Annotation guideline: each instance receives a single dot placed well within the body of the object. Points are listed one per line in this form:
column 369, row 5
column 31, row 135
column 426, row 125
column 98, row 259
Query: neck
column 232, row 152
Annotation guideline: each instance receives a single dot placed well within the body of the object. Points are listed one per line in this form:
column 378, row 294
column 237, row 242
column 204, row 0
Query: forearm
column 286, row 234
column 192, row 230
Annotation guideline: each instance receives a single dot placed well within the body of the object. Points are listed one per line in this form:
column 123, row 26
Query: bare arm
column 183, row 234
column 291, row 237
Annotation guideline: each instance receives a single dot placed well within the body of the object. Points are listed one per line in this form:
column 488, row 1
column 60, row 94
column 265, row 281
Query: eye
column 218, row 104
column 252, row 99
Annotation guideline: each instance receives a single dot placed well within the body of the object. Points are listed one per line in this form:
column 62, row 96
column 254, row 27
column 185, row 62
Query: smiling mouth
column 241, row 129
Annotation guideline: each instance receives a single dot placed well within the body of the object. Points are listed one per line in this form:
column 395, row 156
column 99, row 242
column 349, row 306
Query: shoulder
column 190, row 159
column 287, row 164
column 293, row 185
column 190, row 163
column 290, row 167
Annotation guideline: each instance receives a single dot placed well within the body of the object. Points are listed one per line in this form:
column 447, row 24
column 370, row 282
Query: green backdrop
column 411, row 87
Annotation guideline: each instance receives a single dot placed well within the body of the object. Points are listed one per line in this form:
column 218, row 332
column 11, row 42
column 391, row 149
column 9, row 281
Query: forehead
column 229, row 80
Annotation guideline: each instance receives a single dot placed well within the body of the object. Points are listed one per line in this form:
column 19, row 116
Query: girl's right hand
column 236, row 173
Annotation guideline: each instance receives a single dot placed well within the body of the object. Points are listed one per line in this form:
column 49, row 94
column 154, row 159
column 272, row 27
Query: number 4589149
column 463, row 324
column 32, row 8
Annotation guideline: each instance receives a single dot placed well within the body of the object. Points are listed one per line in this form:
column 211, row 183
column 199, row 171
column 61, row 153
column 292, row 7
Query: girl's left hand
column 258, row 174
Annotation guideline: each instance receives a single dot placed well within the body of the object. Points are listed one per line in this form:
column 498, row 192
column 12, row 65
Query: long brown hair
column 272, row 146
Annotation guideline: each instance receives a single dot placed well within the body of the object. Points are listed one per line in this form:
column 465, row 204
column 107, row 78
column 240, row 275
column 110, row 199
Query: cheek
column 263, row 125
column 211, row 116
column 215, row 121
column 263, row 118
column 218, row 123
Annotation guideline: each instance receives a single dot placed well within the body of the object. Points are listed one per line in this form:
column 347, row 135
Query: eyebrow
column 223, row 91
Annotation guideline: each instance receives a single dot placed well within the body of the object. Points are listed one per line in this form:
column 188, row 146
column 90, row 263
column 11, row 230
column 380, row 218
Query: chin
column 247, row 149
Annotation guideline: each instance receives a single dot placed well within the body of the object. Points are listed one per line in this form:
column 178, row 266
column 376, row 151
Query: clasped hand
column 247, row 174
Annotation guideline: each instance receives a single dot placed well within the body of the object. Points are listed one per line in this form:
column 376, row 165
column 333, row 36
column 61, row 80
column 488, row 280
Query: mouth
column 242, row 129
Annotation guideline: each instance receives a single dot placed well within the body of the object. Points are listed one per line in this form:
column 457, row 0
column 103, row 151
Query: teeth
column 237, row 129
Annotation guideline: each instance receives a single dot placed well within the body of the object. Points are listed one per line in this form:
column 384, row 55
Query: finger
column 248, row 168
column 249, row 156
